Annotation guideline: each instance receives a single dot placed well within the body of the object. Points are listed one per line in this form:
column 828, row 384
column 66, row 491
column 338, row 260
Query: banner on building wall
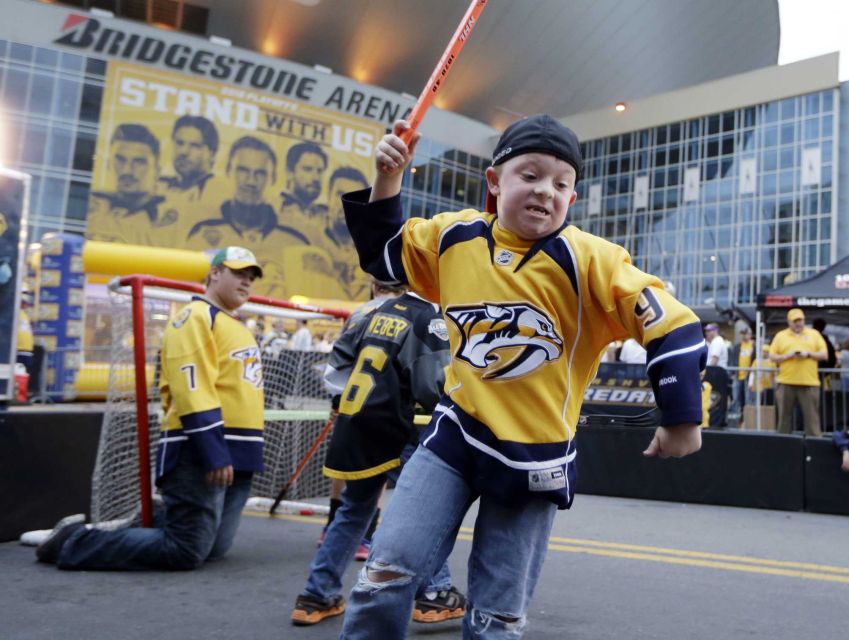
column 692, row 182
column 60, row 322
column 189, row 163
column 748, row 176
column 811, row 166
column 641, row 192
column 594, row 200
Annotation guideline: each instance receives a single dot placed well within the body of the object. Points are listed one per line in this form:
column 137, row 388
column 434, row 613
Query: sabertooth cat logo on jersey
column 251, row 365
column 505, row 340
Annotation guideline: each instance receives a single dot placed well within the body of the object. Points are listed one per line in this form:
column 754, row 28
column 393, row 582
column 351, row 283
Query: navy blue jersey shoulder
column 213, row 310
column 462, row 231
column 376, row 234
column 558, row 250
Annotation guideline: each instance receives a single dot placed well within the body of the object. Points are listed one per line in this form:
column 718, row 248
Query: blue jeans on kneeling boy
column 199, row 524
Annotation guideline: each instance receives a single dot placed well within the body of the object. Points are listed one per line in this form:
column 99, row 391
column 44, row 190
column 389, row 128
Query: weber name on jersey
column 211, row 385
column 527, row 323
column 399, row 351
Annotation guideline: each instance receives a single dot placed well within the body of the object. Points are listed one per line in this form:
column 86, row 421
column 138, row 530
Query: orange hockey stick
column 304, row 461
column 444, row 65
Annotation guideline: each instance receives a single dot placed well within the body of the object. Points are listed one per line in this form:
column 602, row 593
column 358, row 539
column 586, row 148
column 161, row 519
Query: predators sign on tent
column 189, row 163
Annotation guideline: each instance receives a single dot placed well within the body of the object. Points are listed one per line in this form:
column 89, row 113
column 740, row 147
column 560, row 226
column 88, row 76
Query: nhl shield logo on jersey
column 438, row 328
column 182, row 318
column 505, row 340
column 504, row 258
column 251, row 364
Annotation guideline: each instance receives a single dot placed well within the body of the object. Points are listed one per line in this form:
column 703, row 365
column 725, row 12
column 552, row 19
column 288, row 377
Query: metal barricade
column 759, row 386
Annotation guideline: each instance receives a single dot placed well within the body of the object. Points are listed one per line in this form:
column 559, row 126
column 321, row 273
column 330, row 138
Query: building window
column 730, row 221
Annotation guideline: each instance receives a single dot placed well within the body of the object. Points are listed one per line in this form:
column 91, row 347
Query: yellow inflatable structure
column 109, row 260
column 103, row 261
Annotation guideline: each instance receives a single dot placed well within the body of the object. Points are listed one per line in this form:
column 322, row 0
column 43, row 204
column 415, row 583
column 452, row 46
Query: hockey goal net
column 297, row 406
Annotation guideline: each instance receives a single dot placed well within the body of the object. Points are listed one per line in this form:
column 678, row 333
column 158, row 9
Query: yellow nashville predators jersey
column 519, row 327
column 211, row 385
column 527, row 324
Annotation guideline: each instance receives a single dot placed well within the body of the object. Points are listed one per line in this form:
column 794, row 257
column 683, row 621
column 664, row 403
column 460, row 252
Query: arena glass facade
column 51, row 108
column 720, row 244
column 724, row 205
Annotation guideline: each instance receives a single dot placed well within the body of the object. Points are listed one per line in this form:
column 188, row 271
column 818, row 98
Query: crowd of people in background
column 277, row 339
column 790, row 376
column 784, row 371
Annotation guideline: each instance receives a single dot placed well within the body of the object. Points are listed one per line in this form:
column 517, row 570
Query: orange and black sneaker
column 311, row 610
column 440, row 606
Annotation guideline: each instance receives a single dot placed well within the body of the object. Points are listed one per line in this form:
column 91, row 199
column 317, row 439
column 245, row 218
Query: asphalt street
column 616, row 568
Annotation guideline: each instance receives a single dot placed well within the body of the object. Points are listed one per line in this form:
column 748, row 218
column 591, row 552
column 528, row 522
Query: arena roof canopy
column 525, row 56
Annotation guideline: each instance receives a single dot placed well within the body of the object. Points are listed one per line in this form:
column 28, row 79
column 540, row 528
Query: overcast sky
column 813, row 27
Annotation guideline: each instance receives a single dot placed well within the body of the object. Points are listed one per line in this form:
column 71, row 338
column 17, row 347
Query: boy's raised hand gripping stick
column 444, row 65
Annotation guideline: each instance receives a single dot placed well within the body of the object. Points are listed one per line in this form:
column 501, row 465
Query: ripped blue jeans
column 417, row 534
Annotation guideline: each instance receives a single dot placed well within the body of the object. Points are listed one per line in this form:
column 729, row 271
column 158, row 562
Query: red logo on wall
column 778, row 301
column 72, row 21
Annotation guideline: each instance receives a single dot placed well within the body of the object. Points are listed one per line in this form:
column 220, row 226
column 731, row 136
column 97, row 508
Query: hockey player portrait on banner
column 192, row 164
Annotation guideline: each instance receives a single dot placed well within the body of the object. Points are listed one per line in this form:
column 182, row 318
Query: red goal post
column 143, row 288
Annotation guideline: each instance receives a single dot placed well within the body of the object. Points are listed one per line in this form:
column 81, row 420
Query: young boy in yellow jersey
column 211, row 441
column 531, row 303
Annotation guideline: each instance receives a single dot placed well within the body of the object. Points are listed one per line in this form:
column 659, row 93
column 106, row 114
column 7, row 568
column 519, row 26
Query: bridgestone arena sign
column 89, row 34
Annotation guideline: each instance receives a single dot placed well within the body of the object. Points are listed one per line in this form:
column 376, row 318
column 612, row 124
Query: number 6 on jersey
column 361, row 383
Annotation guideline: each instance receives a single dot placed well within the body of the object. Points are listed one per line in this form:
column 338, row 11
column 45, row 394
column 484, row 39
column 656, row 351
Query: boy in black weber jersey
column 391, row 357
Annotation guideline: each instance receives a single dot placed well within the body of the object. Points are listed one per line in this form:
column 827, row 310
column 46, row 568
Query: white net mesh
column 297, row 405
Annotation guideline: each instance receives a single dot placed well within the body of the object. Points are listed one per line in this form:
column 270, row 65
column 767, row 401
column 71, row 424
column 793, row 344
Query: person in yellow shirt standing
column 797, row 350
column 762, row 377
column 707, row 390
column 26, row 342
column 745, row 354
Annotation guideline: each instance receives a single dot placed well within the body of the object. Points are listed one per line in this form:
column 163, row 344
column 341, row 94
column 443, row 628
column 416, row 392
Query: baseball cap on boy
column 536, row 134
column 712, row 326
column 236, row 258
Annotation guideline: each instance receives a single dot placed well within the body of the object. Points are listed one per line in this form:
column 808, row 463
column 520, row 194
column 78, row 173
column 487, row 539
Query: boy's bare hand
column 393, row 155
column 222, row 477
column 845, row 465
column 675, row 442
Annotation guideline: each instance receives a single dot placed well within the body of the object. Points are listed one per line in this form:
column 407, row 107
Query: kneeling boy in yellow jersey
column 211, row 441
